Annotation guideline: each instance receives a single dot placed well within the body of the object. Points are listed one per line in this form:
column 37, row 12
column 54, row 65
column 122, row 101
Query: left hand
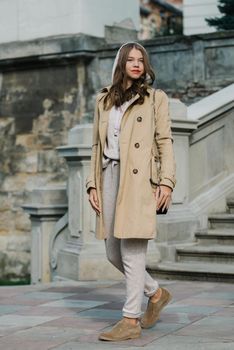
column 163, row 197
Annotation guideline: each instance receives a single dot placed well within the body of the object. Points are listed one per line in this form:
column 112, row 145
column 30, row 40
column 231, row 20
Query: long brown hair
column 118, row 93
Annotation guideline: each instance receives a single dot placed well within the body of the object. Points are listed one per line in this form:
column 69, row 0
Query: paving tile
column 29, row 344
column 85, row 304
column 44, row 332
column 14, row 320
column 78, row 345
column 204, row 301
column 111, row 291
column 165, row 327
column 205, row 310
column 101, row 314
column 46, row 295
column 177, row 342
column 215, row 320
column 226, row 311
column 223, row 287
column 38, row 338
column 111, row 306
column 98, row 297
column 7, row 309
column 6, row 330
column 23, row 301
column 49, row 311
column 145, row 339
column 183, row 318
column 69, row 289
column 209, row 327
column 78, row 323
column 218, row 295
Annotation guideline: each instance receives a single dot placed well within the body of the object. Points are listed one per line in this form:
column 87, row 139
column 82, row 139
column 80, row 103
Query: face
column 135, row 64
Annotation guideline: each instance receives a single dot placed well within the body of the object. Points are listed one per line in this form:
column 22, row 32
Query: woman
column 132, row 130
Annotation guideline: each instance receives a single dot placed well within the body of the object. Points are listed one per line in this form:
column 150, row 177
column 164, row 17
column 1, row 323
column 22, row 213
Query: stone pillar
column 83, row 256
column 46, row 207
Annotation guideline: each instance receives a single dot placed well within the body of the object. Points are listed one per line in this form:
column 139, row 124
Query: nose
column 136, row 63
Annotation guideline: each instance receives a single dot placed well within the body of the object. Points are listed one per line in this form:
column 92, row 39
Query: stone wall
column 187, row 67
column 47, row 86
column 39, row 103
column 29, row 160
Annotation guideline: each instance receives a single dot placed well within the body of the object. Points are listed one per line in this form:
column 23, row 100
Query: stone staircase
column 210, row 257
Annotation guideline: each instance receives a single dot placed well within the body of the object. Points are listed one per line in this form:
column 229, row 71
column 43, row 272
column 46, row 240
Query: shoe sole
column 163, row 305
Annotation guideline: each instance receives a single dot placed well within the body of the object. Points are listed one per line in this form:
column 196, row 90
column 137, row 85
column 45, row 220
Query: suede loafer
column 153, row 310
column 123, row 330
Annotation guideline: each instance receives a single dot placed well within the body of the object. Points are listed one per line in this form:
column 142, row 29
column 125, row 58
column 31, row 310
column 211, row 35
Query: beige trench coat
column 135, row 215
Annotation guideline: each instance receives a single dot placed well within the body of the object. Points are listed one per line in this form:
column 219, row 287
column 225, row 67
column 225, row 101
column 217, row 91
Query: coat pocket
column 154, row 171
column 155, row 166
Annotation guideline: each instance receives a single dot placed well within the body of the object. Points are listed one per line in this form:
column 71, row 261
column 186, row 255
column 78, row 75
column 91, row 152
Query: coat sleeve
column 164, row 141
column 90, row 181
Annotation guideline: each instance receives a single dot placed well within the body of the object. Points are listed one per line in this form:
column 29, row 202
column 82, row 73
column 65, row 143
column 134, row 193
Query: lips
column 135, row 71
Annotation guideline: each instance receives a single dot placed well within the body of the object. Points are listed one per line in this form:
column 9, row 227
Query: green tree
column 226, row 22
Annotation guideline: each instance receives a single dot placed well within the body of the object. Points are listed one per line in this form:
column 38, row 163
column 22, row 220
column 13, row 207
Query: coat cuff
column 168, row 183
column 90, row 184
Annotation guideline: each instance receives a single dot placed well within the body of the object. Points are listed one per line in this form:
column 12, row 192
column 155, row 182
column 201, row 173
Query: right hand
column 93, row 199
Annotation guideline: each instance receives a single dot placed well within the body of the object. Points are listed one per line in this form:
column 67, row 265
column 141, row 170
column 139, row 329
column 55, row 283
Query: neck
column 129, row 83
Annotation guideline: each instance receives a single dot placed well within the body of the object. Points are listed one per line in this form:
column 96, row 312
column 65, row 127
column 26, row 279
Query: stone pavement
column 69, row 315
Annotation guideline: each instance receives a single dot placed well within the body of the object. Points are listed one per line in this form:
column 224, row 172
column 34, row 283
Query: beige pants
column 127, row 255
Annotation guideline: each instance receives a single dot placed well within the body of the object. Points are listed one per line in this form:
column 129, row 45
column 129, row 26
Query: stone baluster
column 47, row 205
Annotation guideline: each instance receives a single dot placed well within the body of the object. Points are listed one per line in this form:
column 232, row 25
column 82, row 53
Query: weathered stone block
column 22, row 221
column 26, row 163
column 19, row 244
column 48, row 161
column 14, row 183
column 3, row 242
column 7, row 219
column 3, row 263
column 16, row 264
column 5, row 202
column 26, row 140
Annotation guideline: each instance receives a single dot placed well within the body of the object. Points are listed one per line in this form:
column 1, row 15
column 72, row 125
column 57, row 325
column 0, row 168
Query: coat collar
column 104, row 114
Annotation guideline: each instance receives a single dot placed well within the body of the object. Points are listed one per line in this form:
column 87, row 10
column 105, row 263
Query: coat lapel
column 104, row 118
column 103, row 124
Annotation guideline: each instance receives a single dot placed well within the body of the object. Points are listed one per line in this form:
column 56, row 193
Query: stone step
column 224, row 236
column 230, row 204
column 223, row 220
column 222, row 254
column 193, row 271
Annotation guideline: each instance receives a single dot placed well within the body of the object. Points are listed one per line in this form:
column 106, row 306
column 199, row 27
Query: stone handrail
column 211, row 106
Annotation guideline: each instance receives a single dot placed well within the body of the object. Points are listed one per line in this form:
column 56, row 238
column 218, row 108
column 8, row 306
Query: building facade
column 30, row 19
column 159, row 17
column 195, row 13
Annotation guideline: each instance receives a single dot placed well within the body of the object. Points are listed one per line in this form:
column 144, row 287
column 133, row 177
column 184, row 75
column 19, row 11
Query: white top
column 111, row 149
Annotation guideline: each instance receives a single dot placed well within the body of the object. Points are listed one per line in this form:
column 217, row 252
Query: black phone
column 160, row 211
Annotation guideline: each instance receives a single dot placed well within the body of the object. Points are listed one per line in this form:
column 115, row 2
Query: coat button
column 139, row 119
column 135, row 171
column 137, row 145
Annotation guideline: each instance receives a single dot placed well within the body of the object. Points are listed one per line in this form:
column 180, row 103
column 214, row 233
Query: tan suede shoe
column 152, row 312
column 123, row 330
